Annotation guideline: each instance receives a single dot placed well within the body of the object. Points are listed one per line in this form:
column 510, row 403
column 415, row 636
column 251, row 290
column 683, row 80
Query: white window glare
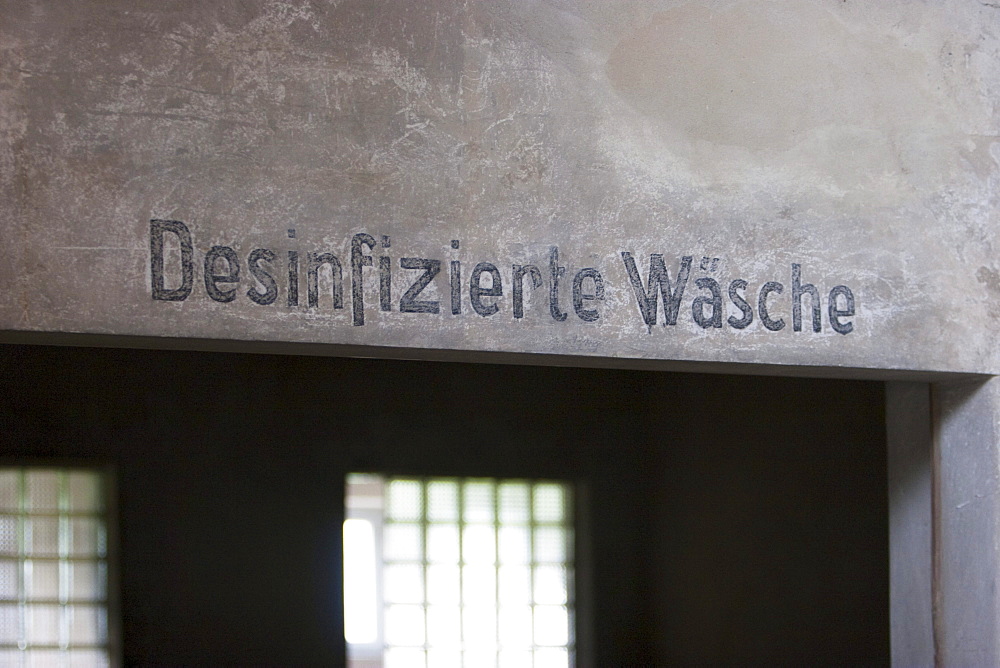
column 360, row 592
column 458, row 572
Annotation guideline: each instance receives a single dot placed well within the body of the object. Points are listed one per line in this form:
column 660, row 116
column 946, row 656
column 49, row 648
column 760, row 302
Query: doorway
column 724, row 518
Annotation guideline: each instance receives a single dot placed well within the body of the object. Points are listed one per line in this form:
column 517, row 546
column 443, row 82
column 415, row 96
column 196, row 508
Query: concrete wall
column 856, row 140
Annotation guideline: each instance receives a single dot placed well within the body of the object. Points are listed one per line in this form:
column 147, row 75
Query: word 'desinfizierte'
column 483, row 291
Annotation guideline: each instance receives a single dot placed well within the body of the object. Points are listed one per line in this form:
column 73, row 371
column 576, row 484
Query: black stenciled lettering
column 358, row 261
column 477, row 292
column 741, row 304
column 157, row 228
column 579, row 296
column 836, row 313
column 765, row 290
column 519, row 272
column 647, row 298
column 798, row 290
column 715, row 301
column 456, row 281
column 231, row 274
column 456, row 287
column 555, row 273
column 409, row 303
column 384, row 283
column 262, row 277
column 313, row 263
column 293, row 278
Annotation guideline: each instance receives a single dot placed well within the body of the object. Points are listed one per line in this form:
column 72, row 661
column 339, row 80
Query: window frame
column 364, row 655
column 109, row 473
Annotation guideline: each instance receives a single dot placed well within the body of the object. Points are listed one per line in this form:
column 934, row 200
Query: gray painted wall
column 857, row 140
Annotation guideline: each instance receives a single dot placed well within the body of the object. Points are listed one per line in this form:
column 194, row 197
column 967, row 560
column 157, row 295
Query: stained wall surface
column 776, row 144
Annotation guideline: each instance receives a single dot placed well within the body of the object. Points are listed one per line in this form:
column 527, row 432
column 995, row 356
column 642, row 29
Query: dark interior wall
column 772, row 524
column 729, row 519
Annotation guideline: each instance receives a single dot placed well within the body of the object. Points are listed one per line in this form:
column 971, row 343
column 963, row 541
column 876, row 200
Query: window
column 53, row 567
column 458, row 572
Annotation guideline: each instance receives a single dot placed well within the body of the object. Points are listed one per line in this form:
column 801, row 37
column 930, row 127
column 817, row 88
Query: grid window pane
column 45, row 658
column 444, row 626
column 10, row 624
column 405, row 500
column 550, row 584
column 473, row 572
column 443, row 584
column 8, row 579
column 42, row 579
column 514, row 506
column 552, row 657
column 84, row 492
column 515, row 584
column 8, row 535
column 445, row 658
column 404, row 583
column 479, row 544
column 88, row 658
column 442, row 501
column 43, row 491
column 551, row 625
column 550, row 544
column 514, row 658
column 515, row 627
column 10, row 498
column 53, row 568
column 87, row 537
column 44, row 536
column 404, row 625
column 401, row 657
column 479, row 625
column 87, row 624
column 89, row 580
column 442, row 543
column 550, row 503
column 479, row 585
column 403, row 542
column 485, row 657
column 479, row 502
column 43, row 624
column 515, row 545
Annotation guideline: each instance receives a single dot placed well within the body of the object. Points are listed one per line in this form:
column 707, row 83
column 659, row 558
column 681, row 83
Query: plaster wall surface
column 855, row 140
column 967, row 516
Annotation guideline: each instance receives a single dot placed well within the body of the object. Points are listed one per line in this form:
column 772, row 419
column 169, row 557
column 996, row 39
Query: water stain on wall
column 773, row 77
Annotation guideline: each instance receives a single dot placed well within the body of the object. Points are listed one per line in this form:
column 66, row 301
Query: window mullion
column 496, row 559
column 460, row 487
column 531, row 568
column 64, row 550
column 424, row 526
column 22, row 570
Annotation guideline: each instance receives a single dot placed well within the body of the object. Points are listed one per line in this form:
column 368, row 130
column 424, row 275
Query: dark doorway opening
column 728, row 519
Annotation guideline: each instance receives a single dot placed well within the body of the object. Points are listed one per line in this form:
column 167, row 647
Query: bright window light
column 360, row 592
column 53, row 568
column 458, row 572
